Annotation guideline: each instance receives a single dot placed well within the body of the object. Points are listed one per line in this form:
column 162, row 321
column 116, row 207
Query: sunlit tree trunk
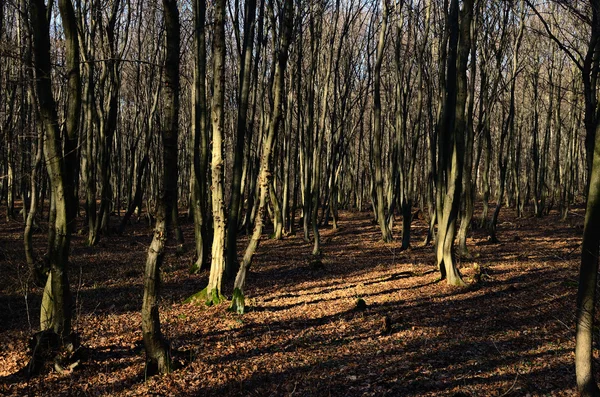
column 213, row 290
column 265, row 175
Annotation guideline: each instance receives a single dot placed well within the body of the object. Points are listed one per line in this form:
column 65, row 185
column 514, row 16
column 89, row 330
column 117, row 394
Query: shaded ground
column 512, row 336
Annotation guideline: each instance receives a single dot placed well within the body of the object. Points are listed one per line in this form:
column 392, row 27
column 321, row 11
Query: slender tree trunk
column 136, row 202
column 286, row 24
column 29, row 223
column 231, row 266
column 158, row 358
column 199, row 138
column 386, row 234
column 89, row 163
column 508, row 128
column 468, row 188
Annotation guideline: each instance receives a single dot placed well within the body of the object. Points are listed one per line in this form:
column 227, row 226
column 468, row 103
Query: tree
column 451, row 138
column 56, row 309
column 508, row 128
column 588, row 271
column 158, row 353
column 468, row 189
column 265, row 175
column 212, row 291
column 199, row 138
column 386, row 234
column 241, row 125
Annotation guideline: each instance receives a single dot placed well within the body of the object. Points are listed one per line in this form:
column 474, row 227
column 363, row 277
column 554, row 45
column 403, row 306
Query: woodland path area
column 512, row 335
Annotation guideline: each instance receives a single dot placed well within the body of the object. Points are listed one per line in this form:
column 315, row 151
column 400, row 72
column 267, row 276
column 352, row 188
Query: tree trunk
column 158, row 358
column 231, row 266
column 213, row 290
column 264, row 181
column 588, row 271
column 58, row 285
column 199, row 138
column 508, row 129
column 468, row 188
column 29, row 223
column 452, row 136
column 386, row 234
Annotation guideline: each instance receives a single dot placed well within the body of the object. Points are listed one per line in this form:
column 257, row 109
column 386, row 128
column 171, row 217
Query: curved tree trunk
column 58, row 284
column 158, row 354
column 452, row 137
column 264, row 181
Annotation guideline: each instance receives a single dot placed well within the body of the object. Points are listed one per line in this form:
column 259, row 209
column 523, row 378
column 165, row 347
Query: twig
column 499, row 352
column 513, row 385
column 78, row 304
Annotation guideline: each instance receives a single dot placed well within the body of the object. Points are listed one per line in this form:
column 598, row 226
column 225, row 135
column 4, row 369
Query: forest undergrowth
column 368, row 320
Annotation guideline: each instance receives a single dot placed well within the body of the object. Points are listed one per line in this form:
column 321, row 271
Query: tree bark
column 231, row 266
column 588, row 271
column 386, row 234
column 58, row 286
column 286, row 23
column 213, row 290
column 158, row 353
column 452, row 136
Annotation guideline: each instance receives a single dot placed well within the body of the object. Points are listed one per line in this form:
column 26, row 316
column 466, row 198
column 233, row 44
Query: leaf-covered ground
column 512, row 335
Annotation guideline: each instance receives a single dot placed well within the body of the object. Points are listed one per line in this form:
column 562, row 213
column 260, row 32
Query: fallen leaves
column 303, row 335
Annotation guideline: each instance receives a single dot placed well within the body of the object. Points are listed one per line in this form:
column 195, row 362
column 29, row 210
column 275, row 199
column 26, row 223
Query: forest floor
column 510, row 335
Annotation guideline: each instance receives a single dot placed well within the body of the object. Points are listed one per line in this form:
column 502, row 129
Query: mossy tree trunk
column 588, row 274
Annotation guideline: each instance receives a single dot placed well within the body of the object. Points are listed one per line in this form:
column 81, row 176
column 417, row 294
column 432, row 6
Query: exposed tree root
column 49, row 351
